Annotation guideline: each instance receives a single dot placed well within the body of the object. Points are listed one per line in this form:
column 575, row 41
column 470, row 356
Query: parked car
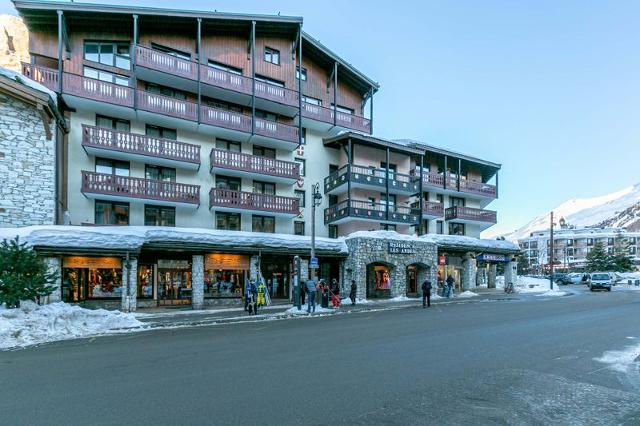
column 574, row 278
column 559, row 278
column 600, row 281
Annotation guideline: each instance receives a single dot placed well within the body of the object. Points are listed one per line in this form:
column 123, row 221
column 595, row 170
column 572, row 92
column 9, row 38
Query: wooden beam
column 45, row 121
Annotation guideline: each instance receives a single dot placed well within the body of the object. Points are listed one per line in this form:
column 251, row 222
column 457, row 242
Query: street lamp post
column 316, row 199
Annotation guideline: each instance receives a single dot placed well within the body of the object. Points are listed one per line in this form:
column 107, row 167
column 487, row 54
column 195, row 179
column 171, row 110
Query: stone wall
column 27, row 166
column 365, row 251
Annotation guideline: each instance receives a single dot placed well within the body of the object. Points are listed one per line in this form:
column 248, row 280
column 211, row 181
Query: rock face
column 14, row 42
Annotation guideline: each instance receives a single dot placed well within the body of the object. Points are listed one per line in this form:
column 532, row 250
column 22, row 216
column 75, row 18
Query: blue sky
column 549, row 89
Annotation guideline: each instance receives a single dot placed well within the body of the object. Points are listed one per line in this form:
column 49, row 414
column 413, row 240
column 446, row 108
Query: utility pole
column 551, row 253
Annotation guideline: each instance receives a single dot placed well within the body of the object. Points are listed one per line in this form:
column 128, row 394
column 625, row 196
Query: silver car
column 600, row 281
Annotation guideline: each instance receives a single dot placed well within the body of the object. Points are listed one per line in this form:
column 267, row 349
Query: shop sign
column 92, row 262
column 487, row 257
column 173, row 264
column 442, row 260
column 399, row 247
column 234, row 262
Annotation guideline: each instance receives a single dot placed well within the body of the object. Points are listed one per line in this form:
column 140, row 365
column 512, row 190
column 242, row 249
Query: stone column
column 493, row 271
column 253, row 268
column 53, row 267
column 510, row 273
column 399, row 280
column 434, row 279
column 468, row 272
column 197, row 281
column 481, row 276
column 129, row 284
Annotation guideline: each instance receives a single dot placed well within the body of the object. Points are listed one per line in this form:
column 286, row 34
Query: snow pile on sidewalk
column 531, row 285
column 467, row 293
column 552, row 293
column 303, row 310
column 32, row 324
column 623, row 361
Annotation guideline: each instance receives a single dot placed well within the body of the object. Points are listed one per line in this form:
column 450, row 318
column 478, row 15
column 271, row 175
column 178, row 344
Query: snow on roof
column 12, row 75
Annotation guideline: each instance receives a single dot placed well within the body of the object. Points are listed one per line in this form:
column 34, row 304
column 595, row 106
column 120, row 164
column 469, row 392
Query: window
column 264, row 188
column 111, row 213
column 224, row 67
column 302, row 163
column 392, row 169
column 269, row 81
column 161, row 132
column 226, row 106
column 533, row 244
column 263, row 224
column 610, row 241
column 228, row 221
column 298, row 228
column 272, row 56
column 456, row 202
column 342, row 109
column 303, row 74
column 371, row 201
column 333, row 231
column 159, row 216
column 632, row 250
column 632, row 240
column 112, row 167
column 109, row 77
column 456, row 228
column 609, row 250
column 108, row 53
column 570, row 252
column 569, row 242
column 166, row 91
column 392, row 202
column 303, row 139
column 440, row 198
column 164, row 174
column 264, row 152
column 312, row 101
column 228, row 145
column 589, row 241
column 439, row 227
column 333, row 200
column 225, row 182
column 171, row 51
column 112, row 123
column 269, row 116
column 301, row 195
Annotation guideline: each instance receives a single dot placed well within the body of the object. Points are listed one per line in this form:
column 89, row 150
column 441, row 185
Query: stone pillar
column 253, row 267
column 493, row 271
column 129, row 284
column 433, row 276
column 197, row 281
column 510, row 274
column 468, row 272
column 53, row 267
column 399, row 280
column 481, row 276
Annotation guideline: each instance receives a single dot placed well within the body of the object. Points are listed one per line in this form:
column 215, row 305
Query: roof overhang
column 360, row 139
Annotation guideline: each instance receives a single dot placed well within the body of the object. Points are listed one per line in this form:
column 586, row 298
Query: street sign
column 313, row 263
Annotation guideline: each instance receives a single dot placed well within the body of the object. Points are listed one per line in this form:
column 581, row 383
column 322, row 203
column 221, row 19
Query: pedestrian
column 311, row 296
column 325, row 294
column 450, row 283
column 262, row 290
column 302, row 292
column 250, row 302
column 426, row 293
column 335, row 293
column 353, row 292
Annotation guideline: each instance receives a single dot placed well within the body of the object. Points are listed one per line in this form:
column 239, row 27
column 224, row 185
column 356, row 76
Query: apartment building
column 571, row 246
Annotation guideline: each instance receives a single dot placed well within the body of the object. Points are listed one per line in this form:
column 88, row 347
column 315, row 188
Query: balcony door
column 391, row 201
column 113, row 123
column 264, row 188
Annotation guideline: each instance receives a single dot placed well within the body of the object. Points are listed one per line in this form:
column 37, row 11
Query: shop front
column 225, row 276
column 450, row 265
column 276, row 271
column 174, row 282
column 86, row 278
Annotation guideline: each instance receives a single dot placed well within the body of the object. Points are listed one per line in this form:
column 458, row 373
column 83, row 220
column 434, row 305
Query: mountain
column 14, row 42
column 618, row 209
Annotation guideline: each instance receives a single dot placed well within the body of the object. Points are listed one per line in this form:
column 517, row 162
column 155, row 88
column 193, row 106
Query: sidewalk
column 158, row 317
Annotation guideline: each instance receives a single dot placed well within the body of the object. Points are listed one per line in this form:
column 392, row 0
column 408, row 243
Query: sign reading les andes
column 400, row 247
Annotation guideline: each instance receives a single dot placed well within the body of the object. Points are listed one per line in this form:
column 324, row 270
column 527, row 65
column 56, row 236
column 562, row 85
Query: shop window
column 109, row 77
column 301, row 195
column 298, row 228
column 226, row 182
column 228, row 145
column 439, row 227
column 112, row 167
column 85, row 278
column 302, row 163
column 166, row 91
column 301, row 75
column 108, row 53
column 171, row 51
column 264, row 152
column 264, row 188
column 456, row 228
column 270, row 81
column 333, row 231
column 161, row 132
column 272, row 55
column 145, row 281
column 228, row 221
column 159, row 173
column 159, row 216
column 224, row 67
column 113, row 123
column 111, row 213
column 174, row 282
column 263, row 224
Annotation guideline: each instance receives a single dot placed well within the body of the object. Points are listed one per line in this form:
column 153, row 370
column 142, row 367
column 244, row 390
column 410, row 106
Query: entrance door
column 412, row 280
column 174, row 287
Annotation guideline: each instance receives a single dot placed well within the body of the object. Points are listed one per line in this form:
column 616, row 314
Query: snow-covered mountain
column 619, row 209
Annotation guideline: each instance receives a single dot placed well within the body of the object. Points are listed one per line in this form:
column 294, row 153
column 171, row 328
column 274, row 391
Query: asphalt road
column 528, row 361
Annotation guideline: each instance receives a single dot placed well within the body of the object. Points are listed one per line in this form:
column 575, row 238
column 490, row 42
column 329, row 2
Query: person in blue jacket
column 250, row 298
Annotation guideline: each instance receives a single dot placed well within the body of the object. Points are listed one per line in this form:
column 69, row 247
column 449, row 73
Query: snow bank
column 347, row 301
column 623, row 361
column 32, row 324
column 552, row 293
column 531, row 285
column 303, row 310
column 466, row 294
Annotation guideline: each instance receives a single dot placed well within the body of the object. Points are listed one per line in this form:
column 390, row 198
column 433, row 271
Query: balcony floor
column 140, row 200
column 148, row 159
column 342, row 189
column 481, row 225
column 253, row 175
column 251, row 211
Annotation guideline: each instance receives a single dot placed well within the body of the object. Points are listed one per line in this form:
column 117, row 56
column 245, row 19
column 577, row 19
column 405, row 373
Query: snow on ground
column 303, row 310
column 32, row 324
column 623, row 361
column 347, row 301
column 466, row 294
column 531, row 285
column 552, row 293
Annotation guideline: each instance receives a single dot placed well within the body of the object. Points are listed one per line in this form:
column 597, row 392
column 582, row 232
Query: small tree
column 622, row 261
column 598, row 259
column 23, row 276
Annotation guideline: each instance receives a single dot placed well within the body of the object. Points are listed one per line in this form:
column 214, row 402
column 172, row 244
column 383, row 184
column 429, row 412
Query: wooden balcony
column 432, row 210
column 252, row 202
column 344, row 120
column 46, row 76
column 367, row 177
column 485, row 218
column 131, row 189
column 356, row 210
column 127, row 146
column 246, row 165
column 433, row 181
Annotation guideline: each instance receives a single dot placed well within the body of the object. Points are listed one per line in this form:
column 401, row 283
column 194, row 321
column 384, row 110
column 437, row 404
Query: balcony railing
column 324, row 114
column 160, row 61
column 253, row 201
column 227, row 119
column 478, row 188
column 398, row 182
column 225, row 80
column 272, row 129
column 132, row 143
column 436, row 180
column 371, row 211
column 430, row 208
column 254, row 164
column 276, row 93
column 139, row 188
column 470, row 214
column 46, row 76
column 166, row 105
